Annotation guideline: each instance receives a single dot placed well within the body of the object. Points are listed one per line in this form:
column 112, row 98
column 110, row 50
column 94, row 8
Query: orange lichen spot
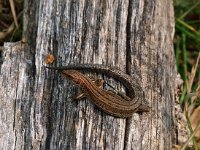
column 50, row 59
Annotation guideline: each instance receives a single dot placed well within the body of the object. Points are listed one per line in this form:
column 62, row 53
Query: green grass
column 186, row 45
column 187, row 51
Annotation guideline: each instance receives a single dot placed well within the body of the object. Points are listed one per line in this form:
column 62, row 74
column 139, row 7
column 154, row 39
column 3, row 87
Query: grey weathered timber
column 37, row 109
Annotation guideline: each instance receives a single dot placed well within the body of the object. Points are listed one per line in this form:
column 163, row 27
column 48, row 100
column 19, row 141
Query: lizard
column 113, row 104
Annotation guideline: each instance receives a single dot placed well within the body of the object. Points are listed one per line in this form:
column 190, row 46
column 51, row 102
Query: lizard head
column 75, row 76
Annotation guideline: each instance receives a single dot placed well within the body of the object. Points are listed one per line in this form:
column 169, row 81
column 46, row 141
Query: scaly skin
column 113, row 104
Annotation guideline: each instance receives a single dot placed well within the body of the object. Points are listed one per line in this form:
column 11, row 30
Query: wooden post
column 37, row 106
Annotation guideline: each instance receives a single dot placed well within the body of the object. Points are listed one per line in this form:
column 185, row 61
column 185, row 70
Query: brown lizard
column 113, row 104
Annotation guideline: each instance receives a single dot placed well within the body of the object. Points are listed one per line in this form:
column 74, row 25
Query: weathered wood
column 37, row 106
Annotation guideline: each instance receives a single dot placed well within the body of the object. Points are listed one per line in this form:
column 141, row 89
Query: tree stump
column 37, row 106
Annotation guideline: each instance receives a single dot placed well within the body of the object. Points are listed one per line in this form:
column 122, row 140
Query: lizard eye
column 79, row 81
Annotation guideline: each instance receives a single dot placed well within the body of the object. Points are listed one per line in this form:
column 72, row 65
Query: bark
column 37, row 106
